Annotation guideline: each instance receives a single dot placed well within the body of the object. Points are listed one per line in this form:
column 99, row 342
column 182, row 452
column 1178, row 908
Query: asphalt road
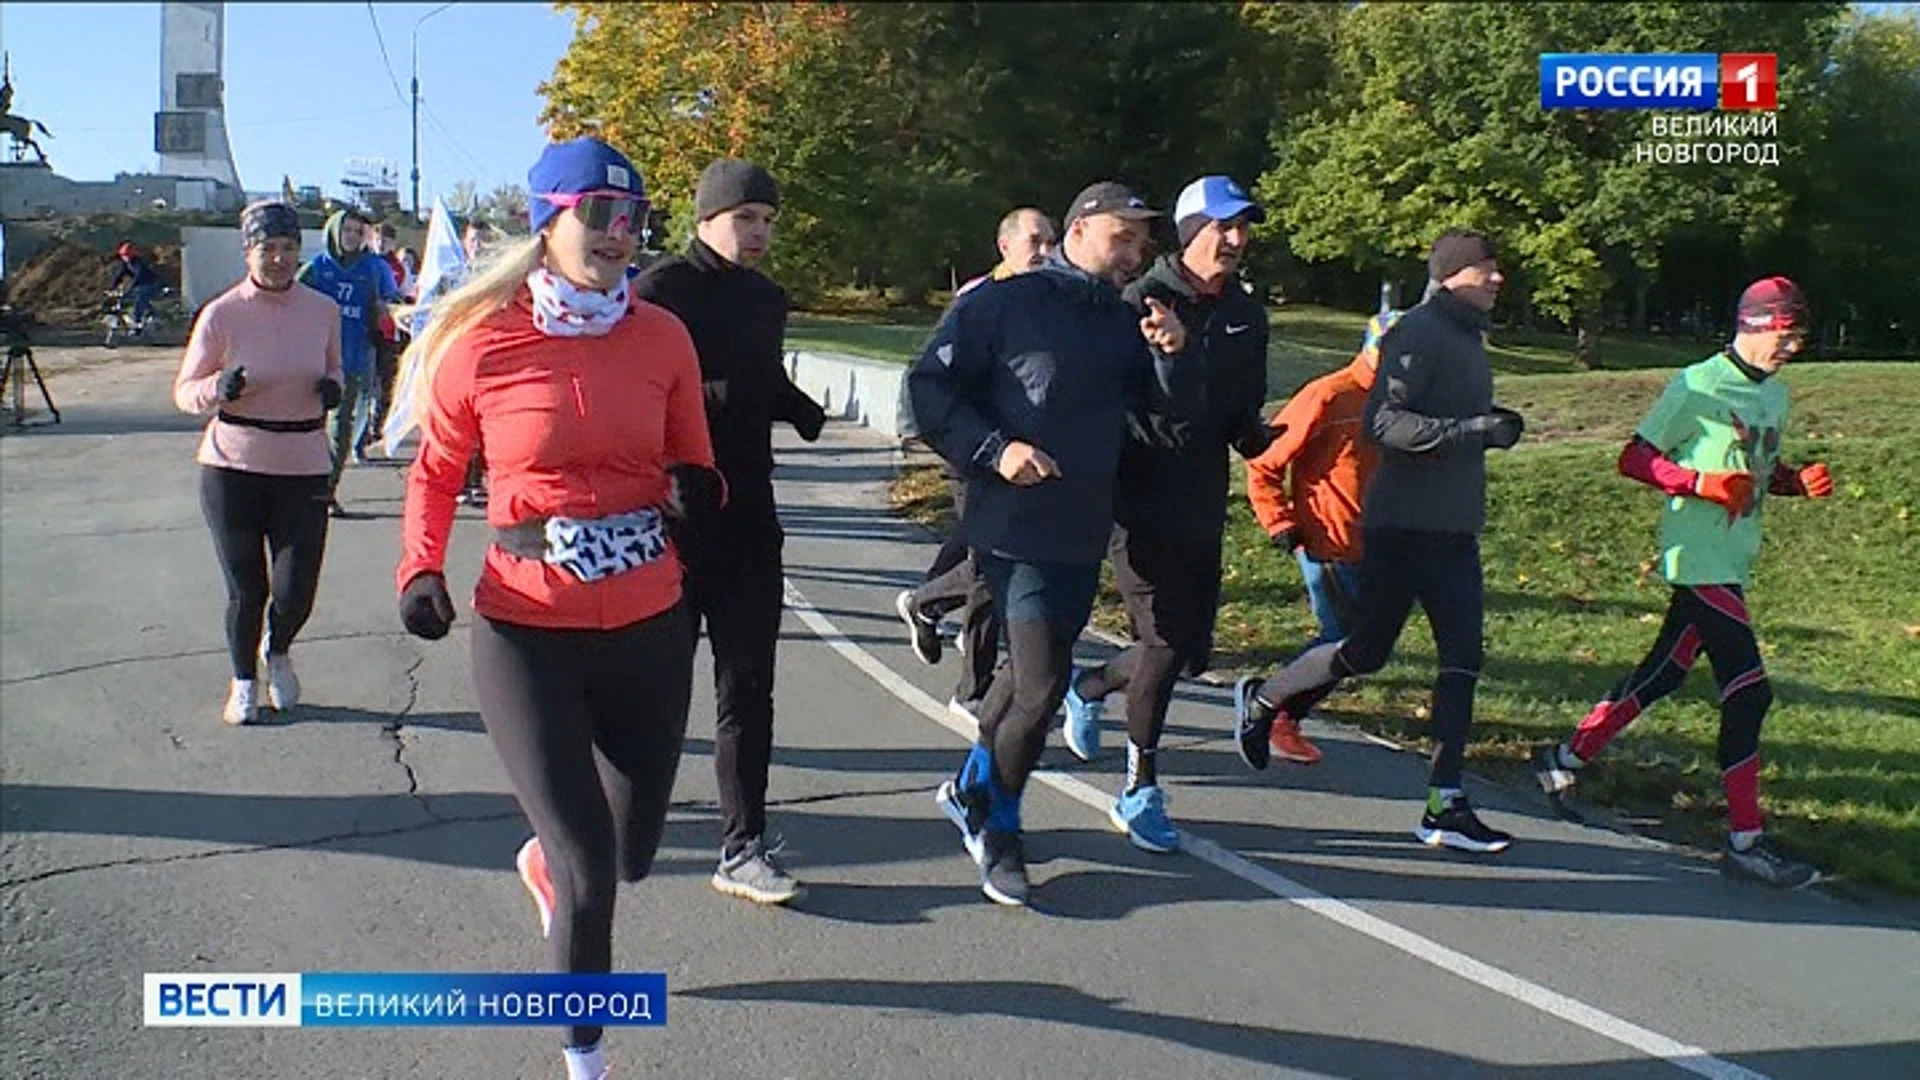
column 1305, row 932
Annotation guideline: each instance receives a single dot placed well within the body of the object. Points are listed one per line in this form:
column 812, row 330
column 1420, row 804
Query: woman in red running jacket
column 585, row 404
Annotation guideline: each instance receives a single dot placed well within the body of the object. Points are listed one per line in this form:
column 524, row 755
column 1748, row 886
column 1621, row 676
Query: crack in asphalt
column 392, row 731
column 248, row 849
column 696, row 805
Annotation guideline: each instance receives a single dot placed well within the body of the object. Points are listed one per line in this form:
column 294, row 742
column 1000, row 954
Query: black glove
column 330, row 392
column 233, row 382
column 425, row 607
column 1499, row 429
column 1285, row 540
column 694, row 492
column 810, row 420
column 1254, row 440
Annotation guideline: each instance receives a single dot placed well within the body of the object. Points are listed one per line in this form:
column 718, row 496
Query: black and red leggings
column 1700, row 618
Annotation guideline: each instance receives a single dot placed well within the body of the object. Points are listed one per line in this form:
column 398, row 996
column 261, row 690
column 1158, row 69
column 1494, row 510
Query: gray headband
column 264, row 221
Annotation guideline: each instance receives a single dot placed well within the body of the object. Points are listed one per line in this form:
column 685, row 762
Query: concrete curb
column 868, row 392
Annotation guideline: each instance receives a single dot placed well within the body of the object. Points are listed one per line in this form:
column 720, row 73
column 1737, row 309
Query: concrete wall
column 868, row 392
column 35, row 193
column 211, row 260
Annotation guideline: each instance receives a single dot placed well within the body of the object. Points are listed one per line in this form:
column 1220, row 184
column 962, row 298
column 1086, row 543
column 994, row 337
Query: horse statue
column 19, row 128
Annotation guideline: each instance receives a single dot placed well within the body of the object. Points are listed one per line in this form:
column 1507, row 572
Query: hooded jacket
column 1173, row 469
column 357, row 283
column 1054, row 358
column 738, row 320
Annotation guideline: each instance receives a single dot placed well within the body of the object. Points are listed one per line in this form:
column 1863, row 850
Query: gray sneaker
column 1763, row 864
column 755, row 874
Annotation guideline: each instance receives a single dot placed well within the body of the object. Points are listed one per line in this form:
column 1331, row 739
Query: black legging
column 736, row 591
column 588, row 724
column 259, row 521
column 1399, row 567
column 1171, row 585
column 1044, row 606
column 954, row 581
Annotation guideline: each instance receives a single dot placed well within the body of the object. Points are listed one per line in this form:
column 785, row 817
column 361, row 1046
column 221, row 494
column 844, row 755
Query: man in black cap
column 1024, row 388
column 1431, row 411
column 738, row 320
column 1171, row 506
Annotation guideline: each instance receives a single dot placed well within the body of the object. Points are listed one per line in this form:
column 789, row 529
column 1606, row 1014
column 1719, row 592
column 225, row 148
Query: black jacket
column 738, row 321
column 1055, row 358
column 1173, row 470
column 1434, row 379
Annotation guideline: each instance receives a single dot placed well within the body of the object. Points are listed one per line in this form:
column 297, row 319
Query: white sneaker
column 283, row 686
column 243, row 704
column 587, row 1063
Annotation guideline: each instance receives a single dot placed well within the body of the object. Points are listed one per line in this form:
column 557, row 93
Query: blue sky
column 306, row 88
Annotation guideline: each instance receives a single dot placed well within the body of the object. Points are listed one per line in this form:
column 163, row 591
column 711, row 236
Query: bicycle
column 163, row 313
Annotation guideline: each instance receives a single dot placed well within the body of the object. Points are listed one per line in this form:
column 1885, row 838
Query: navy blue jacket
column 1054, row 358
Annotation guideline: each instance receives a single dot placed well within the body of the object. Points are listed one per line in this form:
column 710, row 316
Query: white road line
column 1652, row 1043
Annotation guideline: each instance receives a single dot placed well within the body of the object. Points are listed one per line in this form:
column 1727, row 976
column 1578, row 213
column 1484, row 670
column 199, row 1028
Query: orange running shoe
column 532, row 864
column 1288, row 744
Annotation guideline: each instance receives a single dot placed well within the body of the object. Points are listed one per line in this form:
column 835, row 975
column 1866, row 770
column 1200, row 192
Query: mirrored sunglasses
column 600, row 212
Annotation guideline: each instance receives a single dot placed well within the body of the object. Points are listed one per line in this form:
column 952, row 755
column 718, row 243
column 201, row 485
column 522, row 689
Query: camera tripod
column 19, row 365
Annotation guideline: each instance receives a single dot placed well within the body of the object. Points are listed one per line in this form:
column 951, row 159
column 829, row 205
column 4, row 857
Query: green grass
column 899, row 341
column 1573, row 600
column 1306, row 341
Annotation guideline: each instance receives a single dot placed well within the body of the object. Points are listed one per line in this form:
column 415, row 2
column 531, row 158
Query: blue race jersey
column 354, row 288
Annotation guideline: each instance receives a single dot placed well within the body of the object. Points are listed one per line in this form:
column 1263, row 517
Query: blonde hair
column 491, row 287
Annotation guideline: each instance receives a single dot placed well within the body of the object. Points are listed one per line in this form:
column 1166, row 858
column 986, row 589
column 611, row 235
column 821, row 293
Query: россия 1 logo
column 1743, row 84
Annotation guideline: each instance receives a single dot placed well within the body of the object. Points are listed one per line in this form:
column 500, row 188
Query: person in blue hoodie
column 1024, row 389
column 360, row 282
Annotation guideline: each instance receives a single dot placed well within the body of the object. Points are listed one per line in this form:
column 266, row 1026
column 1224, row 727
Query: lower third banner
column 404, row 999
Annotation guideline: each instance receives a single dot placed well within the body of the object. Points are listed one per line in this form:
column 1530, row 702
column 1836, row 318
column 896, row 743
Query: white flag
column 443, row 265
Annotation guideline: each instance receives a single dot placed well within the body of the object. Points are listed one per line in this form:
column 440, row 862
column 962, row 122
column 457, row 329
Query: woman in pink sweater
column 264, row 363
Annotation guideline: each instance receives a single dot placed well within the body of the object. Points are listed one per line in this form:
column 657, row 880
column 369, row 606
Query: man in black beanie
column 738, row 320
column 1432, row 413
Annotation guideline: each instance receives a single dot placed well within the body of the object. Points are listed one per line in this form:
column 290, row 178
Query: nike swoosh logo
column 1237, row 329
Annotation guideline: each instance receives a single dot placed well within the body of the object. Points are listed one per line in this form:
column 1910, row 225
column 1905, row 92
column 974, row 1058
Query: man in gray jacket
column 1432, row 414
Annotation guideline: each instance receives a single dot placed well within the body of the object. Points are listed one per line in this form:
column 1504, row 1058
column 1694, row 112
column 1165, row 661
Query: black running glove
column 694, row 492
column 330, row 394
column 425, row 607
column 810, row 419
column 1499, row 429
column 233, row 382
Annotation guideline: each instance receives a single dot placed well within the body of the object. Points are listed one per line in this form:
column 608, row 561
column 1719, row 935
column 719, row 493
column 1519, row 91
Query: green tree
column 1433, row 119
column 1859, row 245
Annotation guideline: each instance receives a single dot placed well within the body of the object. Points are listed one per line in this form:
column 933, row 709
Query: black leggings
column 260, row 521
column 1044, row 606
column 1441, row 571
column 1171, row 585
column 588, row 724
column 954, row 581
column 1700, row 618
column 736, row 592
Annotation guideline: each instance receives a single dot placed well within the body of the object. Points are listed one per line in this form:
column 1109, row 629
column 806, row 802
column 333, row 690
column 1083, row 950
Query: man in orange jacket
column 1307, row 490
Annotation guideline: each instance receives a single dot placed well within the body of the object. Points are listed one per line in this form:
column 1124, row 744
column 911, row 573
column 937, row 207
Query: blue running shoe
column 1142, row 815
column 1083, row 721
